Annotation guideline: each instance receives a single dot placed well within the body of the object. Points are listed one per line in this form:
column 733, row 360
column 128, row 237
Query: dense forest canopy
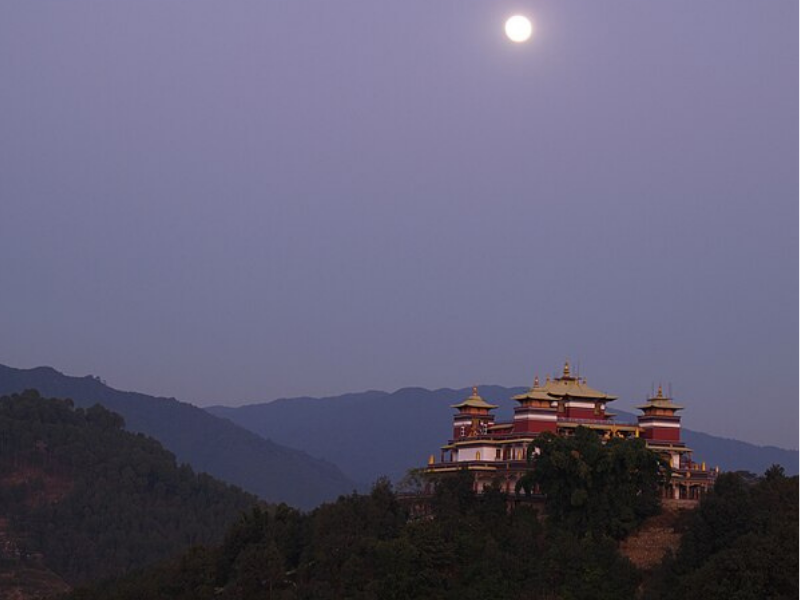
column 741, row 543
column 596, row 486
column 367, row 547
column 93, row 500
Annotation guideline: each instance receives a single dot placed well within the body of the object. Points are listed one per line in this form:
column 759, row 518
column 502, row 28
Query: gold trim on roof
column 562, row 387
column 474, row 401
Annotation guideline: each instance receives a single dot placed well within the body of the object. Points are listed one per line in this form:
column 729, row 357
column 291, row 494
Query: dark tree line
column 128, row 504
column 368, row 547
column 605, row 488
column 365, row 547
column 94, row 500
column 741, row 544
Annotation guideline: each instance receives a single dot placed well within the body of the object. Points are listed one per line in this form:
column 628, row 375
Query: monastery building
column 498, row 451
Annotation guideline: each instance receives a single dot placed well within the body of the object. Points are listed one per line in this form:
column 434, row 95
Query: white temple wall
column 473, row 452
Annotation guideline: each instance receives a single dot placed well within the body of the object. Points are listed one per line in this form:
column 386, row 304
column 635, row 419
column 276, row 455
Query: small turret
column 660, row 421
column 535, row 412
column 473, row 417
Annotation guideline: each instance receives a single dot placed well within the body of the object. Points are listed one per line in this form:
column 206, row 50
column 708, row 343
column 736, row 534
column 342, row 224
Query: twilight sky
column 233, row 201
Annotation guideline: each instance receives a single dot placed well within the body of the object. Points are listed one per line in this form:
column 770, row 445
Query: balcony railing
column 594, row 422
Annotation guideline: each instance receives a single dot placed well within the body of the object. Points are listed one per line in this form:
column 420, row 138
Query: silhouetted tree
column 595, row 487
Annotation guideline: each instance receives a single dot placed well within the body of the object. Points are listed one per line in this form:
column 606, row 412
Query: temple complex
column 498, row 451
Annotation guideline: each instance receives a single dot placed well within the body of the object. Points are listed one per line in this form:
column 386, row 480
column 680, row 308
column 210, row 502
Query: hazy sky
column 233, row 201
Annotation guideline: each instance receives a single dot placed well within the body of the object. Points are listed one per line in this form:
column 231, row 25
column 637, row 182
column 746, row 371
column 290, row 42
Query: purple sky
column 235, row 201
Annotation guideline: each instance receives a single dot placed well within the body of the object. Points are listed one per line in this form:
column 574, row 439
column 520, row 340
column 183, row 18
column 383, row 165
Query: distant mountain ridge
column 207, row 443
column 377, row 433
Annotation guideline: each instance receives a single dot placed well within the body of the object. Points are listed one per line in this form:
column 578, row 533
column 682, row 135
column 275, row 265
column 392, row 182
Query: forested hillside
column 364, row 547
column 274, row 472
column 83, row 498
column 459, row 546
column 741, row 544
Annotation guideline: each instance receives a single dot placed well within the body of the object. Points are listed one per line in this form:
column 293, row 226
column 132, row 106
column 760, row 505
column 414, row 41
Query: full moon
column 519, row 29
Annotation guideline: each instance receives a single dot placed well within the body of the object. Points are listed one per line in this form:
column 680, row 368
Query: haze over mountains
column 207, row 443
column 378, row 433
column 305, row 451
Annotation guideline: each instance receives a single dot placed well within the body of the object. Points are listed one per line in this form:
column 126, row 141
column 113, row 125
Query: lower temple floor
column 686, row 483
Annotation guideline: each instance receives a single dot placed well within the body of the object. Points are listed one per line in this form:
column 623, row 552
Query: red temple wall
column 581, row 413
column 668, row 434
column 531, row 426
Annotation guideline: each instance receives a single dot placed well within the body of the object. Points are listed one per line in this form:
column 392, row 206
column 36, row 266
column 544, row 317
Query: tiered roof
column 562, row 387
column 660, row 401
column 474, row 401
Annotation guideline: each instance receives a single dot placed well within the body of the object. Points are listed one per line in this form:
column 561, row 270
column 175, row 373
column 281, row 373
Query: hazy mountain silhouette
column 207, row 443
column 378, row 433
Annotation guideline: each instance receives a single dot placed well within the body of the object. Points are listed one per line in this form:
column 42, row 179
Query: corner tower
column 473, row 417
column 536, row 412
column 660, row 421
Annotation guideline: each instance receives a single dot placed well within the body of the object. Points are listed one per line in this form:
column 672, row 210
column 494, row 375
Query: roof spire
column 535, row 381
column 660, row 393
column 474, row 401
column 566, row 368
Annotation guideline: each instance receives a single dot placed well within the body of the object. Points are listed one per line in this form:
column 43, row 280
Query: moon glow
column 519, row 29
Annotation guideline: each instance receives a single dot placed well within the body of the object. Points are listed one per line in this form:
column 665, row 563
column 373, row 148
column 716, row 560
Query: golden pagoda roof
column 501, row 426
column 575, row 388
column 660, row 401
column 534, row 394
column 474, row 401
column 563, row 386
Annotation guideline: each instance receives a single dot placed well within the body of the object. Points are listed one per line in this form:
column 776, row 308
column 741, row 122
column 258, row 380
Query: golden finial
column 547, row 379
column 474, row 390
column 431, row 460
column 566, row 368
column 660, row 393
column 536, row 381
